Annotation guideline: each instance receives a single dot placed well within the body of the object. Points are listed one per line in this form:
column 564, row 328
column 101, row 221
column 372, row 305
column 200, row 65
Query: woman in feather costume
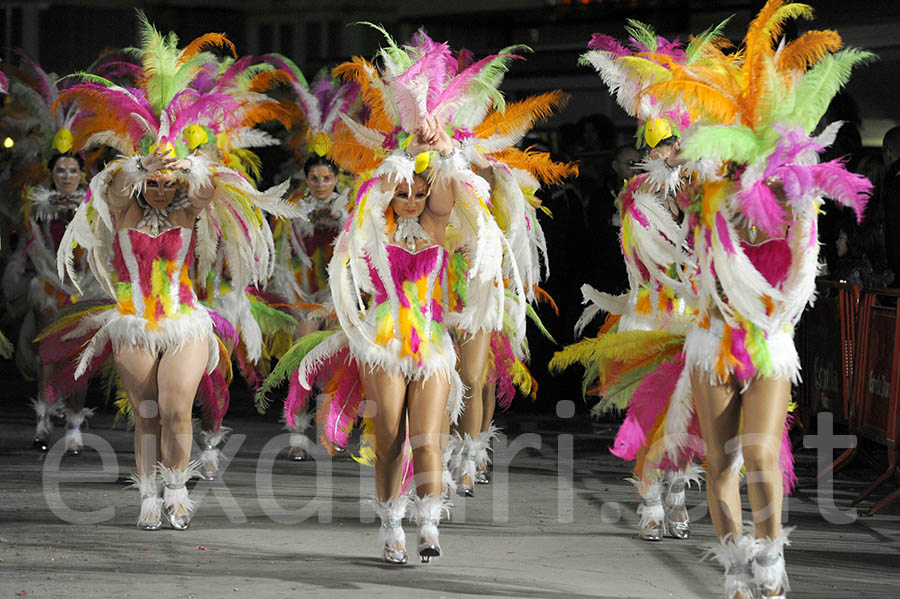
column 148, row 217
column 634, row 362
column 395, row 350
column 752, row 229
column 304, row 245
column 47, row 209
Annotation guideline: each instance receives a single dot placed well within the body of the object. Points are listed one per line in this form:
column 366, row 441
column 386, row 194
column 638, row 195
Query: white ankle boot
column 426, row 512
column 178, row 503
column 150, row 517
column 391, row 537
column 74, row 422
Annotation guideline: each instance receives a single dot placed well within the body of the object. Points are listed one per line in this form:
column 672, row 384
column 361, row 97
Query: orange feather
column 349, row 154
column 808, row 49
column 266, row 80
column 522, row 115
column 209, row 40
column 544, row 297
column 538, row 164
column 361, row 71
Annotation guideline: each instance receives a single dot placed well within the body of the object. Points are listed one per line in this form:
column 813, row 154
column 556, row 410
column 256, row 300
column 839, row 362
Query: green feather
column 642, row 33
column 530, row 312
column 692, row 52
column 820, row 84
column 271, row 320
column 728, row 142
column 288, row 365
column 90, row 77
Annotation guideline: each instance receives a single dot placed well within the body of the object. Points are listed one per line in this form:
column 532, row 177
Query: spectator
column 890, row 196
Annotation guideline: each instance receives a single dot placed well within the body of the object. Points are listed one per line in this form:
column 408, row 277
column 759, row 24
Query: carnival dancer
column 47, row 209
column 147, row 219
column 752, row 228
column 634, row 361
column 304, row 245
column 396, row 351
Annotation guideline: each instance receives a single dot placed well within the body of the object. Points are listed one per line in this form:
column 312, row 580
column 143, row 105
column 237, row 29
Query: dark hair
column 56, row 156
column 316, row 160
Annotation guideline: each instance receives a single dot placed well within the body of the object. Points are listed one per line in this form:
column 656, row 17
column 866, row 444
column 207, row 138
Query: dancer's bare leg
column 427, row 402
column 388, row 391
column 719, row 414
column 473, row 357
column 765, row 406
column 178, row 376
column 137, row 368
column 488, row 404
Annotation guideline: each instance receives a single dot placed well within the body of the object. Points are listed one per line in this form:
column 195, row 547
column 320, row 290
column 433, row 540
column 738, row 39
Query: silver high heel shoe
column 150, row 517
column 426, row 512
column 391, row 537
column 651, row 511
column 74, row 421
column 300, row 444
column 178, row 503
column 209, row 455
column 44, row 427
column 465, row 466
column 677, row 523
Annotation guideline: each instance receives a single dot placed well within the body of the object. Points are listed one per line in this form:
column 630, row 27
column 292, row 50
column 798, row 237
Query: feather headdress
column 419, row 79
column 319, row 104
column 184, row 99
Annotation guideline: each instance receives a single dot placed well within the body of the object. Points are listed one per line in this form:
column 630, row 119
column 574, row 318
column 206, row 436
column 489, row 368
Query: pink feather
column 842, row 186
column 760, row 206
column 605, row 43
column 648, row 403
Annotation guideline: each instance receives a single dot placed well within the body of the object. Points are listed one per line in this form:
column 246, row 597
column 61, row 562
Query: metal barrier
column 870, row 372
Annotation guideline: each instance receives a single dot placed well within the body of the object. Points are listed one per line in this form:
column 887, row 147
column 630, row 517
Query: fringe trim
column 44, row 410
column 151, row 502
column 768, row 566
column 734, row 554
column 391, row 514
column 429, row 510
column 178, row 496
column 483, row 446
column 679, row 481
column 74, row 420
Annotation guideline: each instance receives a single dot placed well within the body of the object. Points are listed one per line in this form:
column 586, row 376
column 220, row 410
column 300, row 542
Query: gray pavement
column 549, row 526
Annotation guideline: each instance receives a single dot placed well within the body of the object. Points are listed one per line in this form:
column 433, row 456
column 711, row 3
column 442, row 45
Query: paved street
column 541, row 530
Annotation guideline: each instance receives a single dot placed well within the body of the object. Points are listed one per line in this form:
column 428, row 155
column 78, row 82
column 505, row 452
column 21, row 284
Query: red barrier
column 877, row 397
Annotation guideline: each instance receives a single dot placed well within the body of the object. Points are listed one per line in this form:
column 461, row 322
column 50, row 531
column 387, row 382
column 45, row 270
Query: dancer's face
column 160, row 190
column 410, row 204
column 66, row 175
column 666, row 149
column 321, row 181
